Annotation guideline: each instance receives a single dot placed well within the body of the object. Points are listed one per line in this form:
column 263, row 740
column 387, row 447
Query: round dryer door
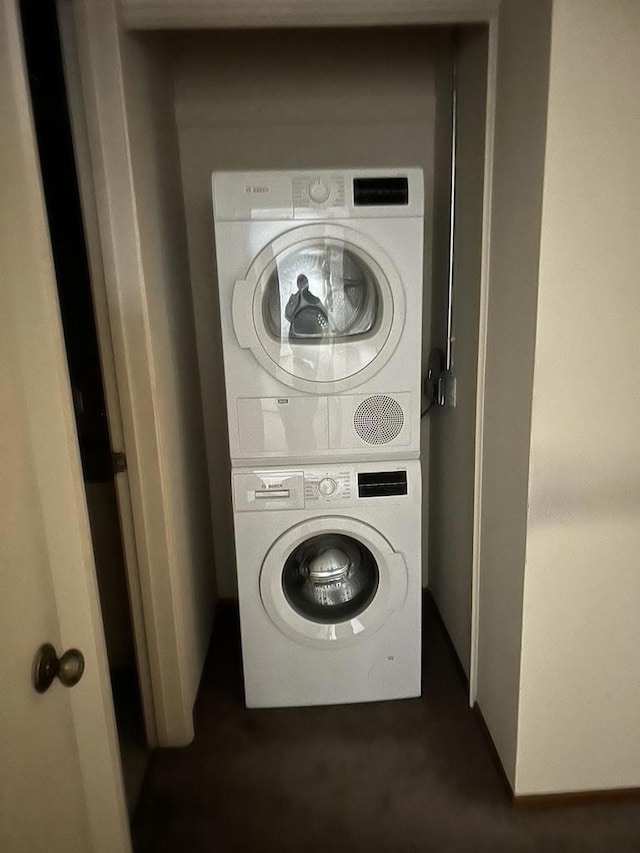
column 332, row 582
column 322, row 308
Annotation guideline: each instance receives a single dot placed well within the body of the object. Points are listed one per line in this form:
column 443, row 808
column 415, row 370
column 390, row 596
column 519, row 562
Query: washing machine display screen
column 330, row 578
column 318, row 292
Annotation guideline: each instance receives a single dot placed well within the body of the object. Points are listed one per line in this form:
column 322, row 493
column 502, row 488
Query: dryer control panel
column 321, row 486
column 318, row 195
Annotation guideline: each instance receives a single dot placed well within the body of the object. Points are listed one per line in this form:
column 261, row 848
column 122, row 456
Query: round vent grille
column 378, row 419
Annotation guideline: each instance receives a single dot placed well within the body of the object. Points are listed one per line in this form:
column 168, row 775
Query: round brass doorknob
column 47, row 666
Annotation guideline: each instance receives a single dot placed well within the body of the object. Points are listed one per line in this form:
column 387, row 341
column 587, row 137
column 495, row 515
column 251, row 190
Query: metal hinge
column 439, row 385
column 447, row 389
column 119, row 461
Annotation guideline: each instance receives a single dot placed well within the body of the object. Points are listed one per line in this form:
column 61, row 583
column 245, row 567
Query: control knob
column 319, row 192
column 327, row 487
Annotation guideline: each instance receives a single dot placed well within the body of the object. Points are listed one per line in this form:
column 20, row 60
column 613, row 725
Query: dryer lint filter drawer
column 282, row 424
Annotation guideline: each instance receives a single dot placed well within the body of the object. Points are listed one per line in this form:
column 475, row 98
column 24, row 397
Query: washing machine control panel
column 317, row 486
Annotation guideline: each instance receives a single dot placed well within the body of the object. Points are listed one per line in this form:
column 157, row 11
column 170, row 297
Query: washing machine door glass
column 321, row 307
column 332, row 581
column 330, row 578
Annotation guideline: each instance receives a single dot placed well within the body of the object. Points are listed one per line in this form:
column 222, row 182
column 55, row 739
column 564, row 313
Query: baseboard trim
column 574, row 798
column 526, row 802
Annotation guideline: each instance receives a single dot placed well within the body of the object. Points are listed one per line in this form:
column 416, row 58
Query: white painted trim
column 107, row 359
column 98, row 40
column 269, row 14
column 492, row 76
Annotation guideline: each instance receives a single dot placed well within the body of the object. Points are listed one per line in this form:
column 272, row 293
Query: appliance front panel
column 282, row 425
column 293, row 654
column 262, row 366
column 294, row 425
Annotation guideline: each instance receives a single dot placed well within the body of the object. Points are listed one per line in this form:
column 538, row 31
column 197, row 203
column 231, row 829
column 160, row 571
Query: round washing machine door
column 332, row 581
column 322, row 308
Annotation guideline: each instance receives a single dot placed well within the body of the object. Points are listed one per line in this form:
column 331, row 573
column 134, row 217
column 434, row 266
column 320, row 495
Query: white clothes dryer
column 320, row 283
column 329, row 582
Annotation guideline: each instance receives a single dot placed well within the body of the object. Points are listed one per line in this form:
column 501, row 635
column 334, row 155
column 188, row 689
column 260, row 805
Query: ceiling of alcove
column 268, row 14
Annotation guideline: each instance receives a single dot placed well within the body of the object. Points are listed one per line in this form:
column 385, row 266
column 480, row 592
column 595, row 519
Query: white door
column 60, row 784
column 321, row 308
column 332, row 581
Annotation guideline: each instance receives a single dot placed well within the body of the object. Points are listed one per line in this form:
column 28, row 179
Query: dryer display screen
column 382, row 484
column 376, row 192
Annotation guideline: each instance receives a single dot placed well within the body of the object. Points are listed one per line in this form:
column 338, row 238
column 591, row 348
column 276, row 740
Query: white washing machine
column 320, row 281
column 329, row 582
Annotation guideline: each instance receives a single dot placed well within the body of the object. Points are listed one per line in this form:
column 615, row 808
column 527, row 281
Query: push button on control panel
column 327, row 487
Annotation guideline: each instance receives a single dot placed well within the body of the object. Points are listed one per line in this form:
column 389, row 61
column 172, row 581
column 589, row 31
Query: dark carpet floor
column 415, row 775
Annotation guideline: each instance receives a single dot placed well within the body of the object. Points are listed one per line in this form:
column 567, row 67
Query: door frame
column 487, row 200
column 96, row 29
column 82, row 154
column 90, row 46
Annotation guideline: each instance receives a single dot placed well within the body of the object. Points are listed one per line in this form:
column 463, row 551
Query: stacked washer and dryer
column 320, row 284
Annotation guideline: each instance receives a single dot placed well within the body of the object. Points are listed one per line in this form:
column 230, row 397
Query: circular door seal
column 320, row 368
column 389, row 596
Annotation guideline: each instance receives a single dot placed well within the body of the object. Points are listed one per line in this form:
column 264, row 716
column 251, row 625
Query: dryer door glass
column 330, row 578
column 322, row 308
column 319, row 293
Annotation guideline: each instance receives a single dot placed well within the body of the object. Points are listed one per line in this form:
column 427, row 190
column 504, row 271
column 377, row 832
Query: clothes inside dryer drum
column 320, row 292
column 305, row 312
column 330, row 578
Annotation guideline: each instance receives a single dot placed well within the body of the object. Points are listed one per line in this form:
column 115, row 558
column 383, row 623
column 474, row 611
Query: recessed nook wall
column 154, row 152
column 453, row 429
column 518, row 169
column 291, row 100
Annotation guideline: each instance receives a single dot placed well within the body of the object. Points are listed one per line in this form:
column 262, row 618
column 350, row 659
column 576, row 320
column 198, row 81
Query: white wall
column 183, row 589
column 453, row 430
column 521, row 106
column 579, row 721
column 290, row 100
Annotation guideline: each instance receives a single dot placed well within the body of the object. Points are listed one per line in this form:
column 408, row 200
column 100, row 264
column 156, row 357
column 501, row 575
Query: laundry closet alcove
column 163, row 110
